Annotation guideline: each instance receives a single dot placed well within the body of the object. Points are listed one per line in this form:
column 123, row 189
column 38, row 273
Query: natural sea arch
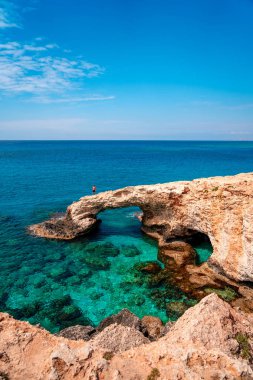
column 219, row 207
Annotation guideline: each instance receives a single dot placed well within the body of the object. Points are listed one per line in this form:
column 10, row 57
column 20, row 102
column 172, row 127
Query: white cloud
column 6, row 16
column 39, row 70
column 33, row 69
column 73, row 99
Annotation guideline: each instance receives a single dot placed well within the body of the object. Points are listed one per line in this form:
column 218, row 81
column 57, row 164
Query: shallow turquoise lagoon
column 58, row 283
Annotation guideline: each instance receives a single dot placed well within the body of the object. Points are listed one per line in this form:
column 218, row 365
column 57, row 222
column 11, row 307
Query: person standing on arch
column 94, row 189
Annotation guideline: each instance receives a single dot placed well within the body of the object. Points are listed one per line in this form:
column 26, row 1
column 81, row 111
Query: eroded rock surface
column 77, row 332
column 118, row 338
column 152, row 327
column 220, row 207
column 210, row 341
column 177, row 253
column 124, row 318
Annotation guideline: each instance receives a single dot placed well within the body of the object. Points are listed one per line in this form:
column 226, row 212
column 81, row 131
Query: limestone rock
column 152, row 327
column 168, row 327
column 177, row 253
column 220, row 207
column 124, row 317
column 210, row 341
column 202, row 344
column 118, row 338
column 77, row 332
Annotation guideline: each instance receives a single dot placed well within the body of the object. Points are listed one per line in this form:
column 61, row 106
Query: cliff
column 219, row 207
column 210, row 341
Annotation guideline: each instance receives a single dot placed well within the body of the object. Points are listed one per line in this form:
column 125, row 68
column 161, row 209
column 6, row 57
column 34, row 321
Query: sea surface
column 58, row 284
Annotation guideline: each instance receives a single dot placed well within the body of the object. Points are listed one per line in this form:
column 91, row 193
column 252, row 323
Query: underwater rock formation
column 210, row 341
column 219, row 207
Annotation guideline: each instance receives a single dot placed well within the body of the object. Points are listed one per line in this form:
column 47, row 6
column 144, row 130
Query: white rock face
column 220, row 207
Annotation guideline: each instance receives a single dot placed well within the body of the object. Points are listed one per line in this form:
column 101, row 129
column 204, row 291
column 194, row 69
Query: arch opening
column 120, row 221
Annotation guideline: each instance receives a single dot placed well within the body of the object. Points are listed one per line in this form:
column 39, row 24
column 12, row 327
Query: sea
column 58, row 284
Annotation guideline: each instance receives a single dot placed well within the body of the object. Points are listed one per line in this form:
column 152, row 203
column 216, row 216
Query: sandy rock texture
column 210, row 341
column 220, row 207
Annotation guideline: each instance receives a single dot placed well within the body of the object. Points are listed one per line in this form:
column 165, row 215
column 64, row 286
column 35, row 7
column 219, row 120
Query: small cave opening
column 199, row 241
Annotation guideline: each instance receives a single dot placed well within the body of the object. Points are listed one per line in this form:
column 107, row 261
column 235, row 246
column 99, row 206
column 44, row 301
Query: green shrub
column 244, row 346
column 227, row 294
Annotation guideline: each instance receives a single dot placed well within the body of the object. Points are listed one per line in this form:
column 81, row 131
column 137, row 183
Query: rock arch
column 220, row 207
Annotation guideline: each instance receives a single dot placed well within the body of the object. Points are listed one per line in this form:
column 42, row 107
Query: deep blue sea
column 59, row 283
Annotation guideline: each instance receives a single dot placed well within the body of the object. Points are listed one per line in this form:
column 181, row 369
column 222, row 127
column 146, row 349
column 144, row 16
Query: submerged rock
column 158, row 278
column 57, row 303
column 84, row 273
column 96, row 296
column 124, row 317
column 69, row 313
column 78, row 332
column 130, row 250
column 60, row 273
column 96, row 262
column 139, row 300
column 150, row 267
column 106, row 249
column 27, row 311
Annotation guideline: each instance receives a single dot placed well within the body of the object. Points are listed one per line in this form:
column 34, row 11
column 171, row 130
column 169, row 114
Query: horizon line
column 121, row 140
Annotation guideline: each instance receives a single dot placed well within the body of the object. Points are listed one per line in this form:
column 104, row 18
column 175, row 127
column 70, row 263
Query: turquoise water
column 59, row 283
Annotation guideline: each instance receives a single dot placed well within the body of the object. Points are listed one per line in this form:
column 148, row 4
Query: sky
column 133, row 69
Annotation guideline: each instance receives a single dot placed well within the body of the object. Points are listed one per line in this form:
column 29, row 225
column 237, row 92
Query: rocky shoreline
column 211, row 340
column 150, row 327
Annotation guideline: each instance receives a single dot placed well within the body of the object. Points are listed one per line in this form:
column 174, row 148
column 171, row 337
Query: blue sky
column 135, row 69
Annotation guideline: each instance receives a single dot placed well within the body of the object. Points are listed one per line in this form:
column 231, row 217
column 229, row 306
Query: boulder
column 124, row 317
column 177, row 253
column 78, row 332
column 152, row 327
column 118, row 338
